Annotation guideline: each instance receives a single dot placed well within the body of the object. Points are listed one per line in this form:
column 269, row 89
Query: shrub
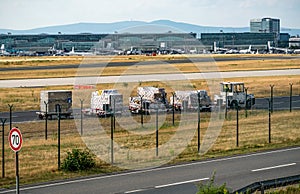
column 78, row 160
column 211, row 187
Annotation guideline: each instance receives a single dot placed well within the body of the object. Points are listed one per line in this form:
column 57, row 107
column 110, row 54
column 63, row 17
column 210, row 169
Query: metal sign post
column 15, row 142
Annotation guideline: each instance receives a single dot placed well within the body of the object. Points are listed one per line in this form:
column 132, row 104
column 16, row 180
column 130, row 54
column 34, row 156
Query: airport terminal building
column 87, row 42
column 261, row 32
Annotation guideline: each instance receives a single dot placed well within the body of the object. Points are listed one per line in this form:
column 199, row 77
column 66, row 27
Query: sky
column 29, row 14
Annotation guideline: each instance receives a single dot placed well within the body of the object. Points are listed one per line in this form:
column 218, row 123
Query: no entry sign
column 15, row 139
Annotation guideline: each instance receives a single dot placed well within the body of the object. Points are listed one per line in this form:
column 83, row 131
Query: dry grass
column 38, row 157
column 246, row 65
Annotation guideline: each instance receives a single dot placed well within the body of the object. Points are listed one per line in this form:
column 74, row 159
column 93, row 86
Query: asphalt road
column 236, row 172
column 116, row 64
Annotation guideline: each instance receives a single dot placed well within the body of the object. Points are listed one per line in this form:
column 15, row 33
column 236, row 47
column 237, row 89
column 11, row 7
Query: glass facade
column 238, row 40
column 85, row 42
column 265, row 25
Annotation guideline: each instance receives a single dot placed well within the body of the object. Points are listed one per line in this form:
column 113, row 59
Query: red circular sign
column 15, row 139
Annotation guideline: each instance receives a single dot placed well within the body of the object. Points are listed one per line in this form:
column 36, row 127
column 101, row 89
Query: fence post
column 237, row 125
column 58, row 109
column 81, row 116
column 156, row 130
column 272, row 87
column 226, row 99
column 199, row 120
column 10, row 116
column 173, row 108
column 112, row 138
column 46, row 120
column 141, row 110
column 291, row 96
column 246, row 112
column 3, row 156
column 114, row 114
column 269, row 123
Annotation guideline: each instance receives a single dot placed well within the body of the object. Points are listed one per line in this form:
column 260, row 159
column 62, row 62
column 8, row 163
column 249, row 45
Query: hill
column 123, row 26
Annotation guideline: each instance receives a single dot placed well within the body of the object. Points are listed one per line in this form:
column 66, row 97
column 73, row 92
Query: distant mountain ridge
column 109, row 28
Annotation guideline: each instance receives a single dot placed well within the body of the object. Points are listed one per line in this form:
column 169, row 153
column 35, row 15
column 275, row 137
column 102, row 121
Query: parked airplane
column 276, row 49
column 75, row 53
column 232, row 51
column 53, row 51
column 3, row 52
column 246, row 51
column 296, row 51
column 218, row 49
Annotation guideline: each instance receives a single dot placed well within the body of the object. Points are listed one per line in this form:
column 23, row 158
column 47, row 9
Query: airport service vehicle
column 190, row 100
column 147, row 96
column 105, row 103
column 54, row 101
column 233, row 94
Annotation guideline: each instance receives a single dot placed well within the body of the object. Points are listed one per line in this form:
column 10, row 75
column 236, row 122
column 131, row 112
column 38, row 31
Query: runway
column 149, row 62
column 141, row 78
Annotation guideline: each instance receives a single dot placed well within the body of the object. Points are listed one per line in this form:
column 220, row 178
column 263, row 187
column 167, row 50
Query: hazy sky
column 27, row 14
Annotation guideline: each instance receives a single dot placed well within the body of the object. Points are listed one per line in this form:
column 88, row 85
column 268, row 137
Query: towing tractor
column 233, row 94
